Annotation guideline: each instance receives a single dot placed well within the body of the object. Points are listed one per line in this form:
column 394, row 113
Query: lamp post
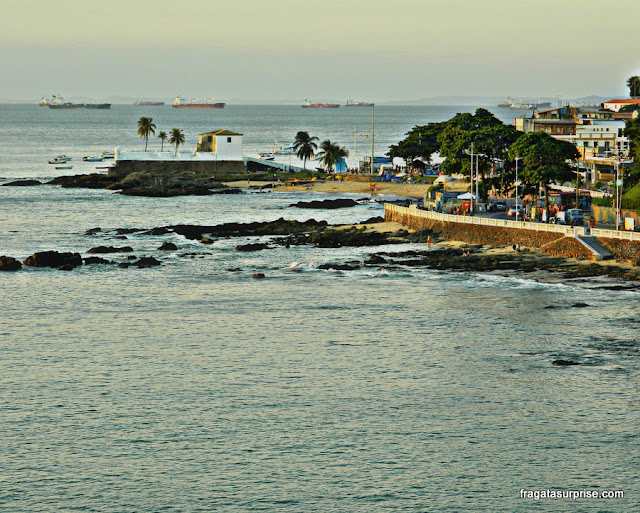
column 517, row 183
column 471, row 177
column 373, row 117
column 617, row 195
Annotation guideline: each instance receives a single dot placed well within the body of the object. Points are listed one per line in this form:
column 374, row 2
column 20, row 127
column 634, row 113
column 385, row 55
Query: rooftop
column 220, row 131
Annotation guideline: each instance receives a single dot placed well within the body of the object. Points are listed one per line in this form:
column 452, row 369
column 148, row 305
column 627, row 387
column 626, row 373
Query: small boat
column 64, row 167
column 93, row 159
column 267, row 156
column 107, row 155
column 60, row 159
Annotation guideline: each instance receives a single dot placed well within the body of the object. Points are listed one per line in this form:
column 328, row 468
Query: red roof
column 623, row 101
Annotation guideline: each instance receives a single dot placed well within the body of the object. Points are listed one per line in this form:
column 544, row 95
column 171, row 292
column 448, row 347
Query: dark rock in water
column 206, row 240
column 580, row 305
column 119, row 237
column 22, row 183
column 251, row 247
column 375, row 259
column 110, row 249
column 53, row 259
column 258, row 275
column 563, row 363
column 373, row 220
column 168, row 246
column 339, row 267
column 95, row 260
column 330, row 203
column 66, row 267
column 157, row 231
column 8, row 263
column 124, row 265
column 90, row 181
column 339, row 238
column 131, row 257
column 230, row 190
column 147, row 262
column 550, row 307
column 162, row 192
column 93, row 231
column 127, row 231
column 234, row 270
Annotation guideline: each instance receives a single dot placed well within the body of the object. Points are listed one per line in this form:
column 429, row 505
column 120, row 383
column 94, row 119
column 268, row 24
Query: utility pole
column 471, row 176
column 373, row 117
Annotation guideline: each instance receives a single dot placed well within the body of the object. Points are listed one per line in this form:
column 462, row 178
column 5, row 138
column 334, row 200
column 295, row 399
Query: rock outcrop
column 54, row 259
column 8, row 263
column 22, row 183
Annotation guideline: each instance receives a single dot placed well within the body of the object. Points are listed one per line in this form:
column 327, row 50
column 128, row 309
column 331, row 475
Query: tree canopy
column 420, row 142
column 332, row 154
column 305, row 146
column 544, row 159
column 177, row 138
column 633, row 83
column 145, row 129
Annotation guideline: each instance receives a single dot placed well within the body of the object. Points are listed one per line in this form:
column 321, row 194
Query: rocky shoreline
column 467, row 258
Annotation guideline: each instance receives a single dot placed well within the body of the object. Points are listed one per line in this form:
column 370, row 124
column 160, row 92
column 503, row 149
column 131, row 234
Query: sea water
column 194, row 387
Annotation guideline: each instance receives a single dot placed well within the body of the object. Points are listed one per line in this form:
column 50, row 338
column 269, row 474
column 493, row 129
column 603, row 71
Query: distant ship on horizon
column 57, row 102
column 194, row 103
column 147, row 103
column 351, row 103
column 308, row 105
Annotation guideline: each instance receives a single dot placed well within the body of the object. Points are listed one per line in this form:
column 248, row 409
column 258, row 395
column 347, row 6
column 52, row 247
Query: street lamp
column 517, row 183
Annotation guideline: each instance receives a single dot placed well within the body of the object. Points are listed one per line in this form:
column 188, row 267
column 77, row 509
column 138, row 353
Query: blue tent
column 341, row 166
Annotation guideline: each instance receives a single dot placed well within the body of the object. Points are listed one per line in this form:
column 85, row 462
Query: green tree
column 491, row 141
column 633, row 83
column 305, row 146
column 163, row 137
column 420, row 142
column 544, row 160
column 331, row 154
column 177, row 138
column 632, row 131
column 145, row 129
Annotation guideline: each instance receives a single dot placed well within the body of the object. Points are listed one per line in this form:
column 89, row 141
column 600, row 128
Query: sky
column 288, row 50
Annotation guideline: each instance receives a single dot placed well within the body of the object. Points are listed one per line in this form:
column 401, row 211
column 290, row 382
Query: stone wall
column 626, row 250
column 568, row 247
column 125, row 167
column 475, row 234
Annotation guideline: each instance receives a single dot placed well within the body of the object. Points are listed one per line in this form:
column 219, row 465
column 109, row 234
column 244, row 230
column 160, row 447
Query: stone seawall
column 209, row 168
column 475, row 234
column 626, row 250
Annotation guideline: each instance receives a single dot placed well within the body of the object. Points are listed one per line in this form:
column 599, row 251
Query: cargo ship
column 308, row 105
column 358, row 104
column 194, row 103
column 146, row 103
column 57, row 102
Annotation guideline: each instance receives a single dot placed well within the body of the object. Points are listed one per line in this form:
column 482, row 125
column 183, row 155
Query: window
column 620, row 132
column 228, row 139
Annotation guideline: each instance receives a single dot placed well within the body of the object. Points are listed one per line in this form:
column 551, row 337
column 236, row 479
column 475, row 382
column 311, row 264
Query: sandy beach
column 416, row 191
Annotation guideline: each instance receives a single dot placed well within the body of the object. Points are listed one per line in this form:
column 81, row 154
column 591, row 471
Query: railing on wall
column 569, row 231
column 612, row 234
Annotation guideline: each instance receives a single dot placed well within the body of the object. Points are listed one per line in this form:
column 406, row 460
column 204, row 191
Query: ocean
column 190, row 387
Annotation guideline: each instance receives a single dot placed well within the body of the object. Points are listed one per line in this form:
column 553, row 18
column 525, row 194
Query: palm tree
column 331, row 154
column 163, row 137
column 177, row 138
column 145, row 129
column 633, row 83
column 305, row 146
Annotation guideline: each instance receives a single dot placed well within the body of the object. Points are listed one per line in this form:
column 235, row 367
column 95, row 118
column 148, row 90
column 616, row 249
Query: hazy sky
column 331, row 50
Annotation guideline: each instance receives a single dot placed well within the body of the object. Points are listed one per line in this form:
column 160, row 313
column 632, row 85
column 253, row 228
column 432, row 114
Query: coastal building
column 217, row 152
column 597, row 133
column 616, row 105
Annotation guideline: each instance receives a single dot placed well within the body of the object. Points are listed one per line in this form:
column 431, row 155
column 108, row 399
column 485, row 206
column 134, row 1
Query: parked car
column 515, row 209
column 501, row 207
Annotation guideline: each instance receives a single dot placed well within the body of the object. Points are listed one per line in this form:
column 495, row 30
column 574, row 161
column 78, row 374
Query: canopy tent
column 467, row 196
column 443, row 178
column 399, row 162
